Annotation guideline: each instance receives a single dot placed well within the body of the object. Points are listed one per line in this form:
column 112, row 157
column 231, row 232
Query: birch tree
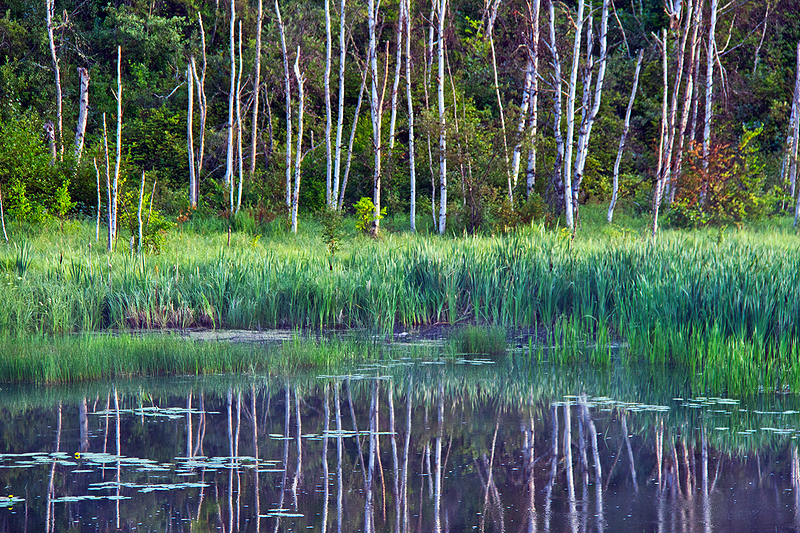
column 239, row 123
column 329, row 197
column 202, row 101
column 50, row 12
column 441, row 10
column 83, row 114
column 229, row 154
column 795, row 135
column 573, row 83
column 710, row 52
column 557, row 103
column 256, row 91
column 287, row 85
column 493, row 6
column 115, row 186
column 623, row 137
column 376, row 112
column 190, row 132
column 405, row 16
column 660, row 171
column 534, row 98
column 298, row 159
column 337, row 161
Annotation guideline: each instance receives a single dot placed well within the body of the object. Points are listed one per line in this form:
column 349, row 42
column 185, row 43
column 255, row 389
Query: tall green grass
column 710, row 301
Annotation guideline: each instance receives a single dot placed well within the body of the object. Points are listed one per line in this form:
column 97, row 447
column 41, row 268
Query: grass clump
column 489, row 341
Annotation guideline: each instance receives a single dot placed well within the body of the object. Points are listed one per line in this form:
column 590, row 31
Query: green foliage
column 332, row 231
column 62, row 202
column 480, row 340
column 365, row 214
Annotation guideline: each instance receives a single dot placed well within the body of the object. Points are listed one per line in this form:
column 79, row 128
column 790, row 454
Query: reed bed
column 726, row 307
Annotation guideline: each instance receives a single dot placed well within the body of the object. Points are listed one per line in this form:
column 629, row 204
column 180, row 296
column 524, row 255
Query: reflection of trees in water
column 453, row 460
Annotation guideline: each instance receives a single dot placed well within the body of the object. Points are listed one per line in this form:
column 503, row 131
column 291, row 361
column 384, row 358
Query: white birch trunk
column 406, row 6
column 441, row 12
column 696, row 90
column 710, row 50
column 573, row 83
column 795, row 135
column 329, row 196
column 229, row 153
column 202, row 101
column 50, row 12
column 3, row 217
column 109, row 191
column 349, row 157
column 580, row 147
column 625, row 128
column 534, row 100
column 337, row 164
column 596, row 99
column 660, row 171
column 256, row 93
column 287, row 83
column 512, row 180
column 239, row 123
column 190, row 132
column 299, row 158
column 375, row 113
column 428, row 71
column 557, row 103
column 83, row 114
column 139, row 216
column 97, row 227
column 115, row 185
column 523, row 115
column 398, row 63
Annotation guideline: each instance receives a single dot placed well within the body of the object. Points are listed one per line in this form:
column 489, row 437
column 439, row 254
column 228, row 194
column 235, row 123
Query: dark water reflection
column 405, row 447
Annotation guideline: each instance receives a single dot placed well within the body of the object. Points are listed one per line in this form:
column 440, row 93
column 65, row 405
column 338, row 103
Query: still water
column 464, row 445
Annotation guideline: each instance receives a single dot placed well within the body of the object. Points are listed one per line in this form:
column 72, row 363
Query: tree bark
column 710, row 51
column 139, row 216
column 3, row 217
column 97, row 227
column 328, row 119
column 202, row 101
column 376, row 113
column 299, row 159
column 406, row 6
column 625, row 128
column 50, row 11
column 287, row 84
column 115, row 185
column 256, row 92
column 573, row 84
column 441, row 12
column 337, row 165
column 527, row 93
column 659, row 188
column 239, row 123
column 557, row 106
column 190, row 133
column 83, row 114
column 229, row 153
column 534, row 100
column 349, row 157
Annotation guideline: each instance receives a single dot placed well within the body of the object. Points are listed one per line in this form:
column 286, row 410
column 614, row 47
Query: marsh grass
column 480, row 341
column 723, row 303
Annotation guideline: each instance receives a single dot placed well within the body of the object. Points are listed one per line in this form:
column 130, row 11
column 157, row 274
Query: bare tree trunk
column 139, row 216
column 757, row 56
column 711, row 52
column 625, row 128
column 190, row 133
column 588, row 72
column 696, row 89
column 229, row 157
column 239, row 123
column 329, row 196
column 299, row 159
column 50, row 9
column 3, row 217
column 406, row 10
column 557, row 104
column 109, row 189
column 352, row 136
column 527, row 93
column 398, row 63
column 97, row 227
column 660, row 171
column 573, row 84
column 337, row 165
column 287, row 83
column 512, row 180
column 441, row 12
column 256, row 92
column 83, row 114
column 115, row 185
column 428, row 68
column 200, row 81
column 375, row 113
column 534, row 99
column 50, row 133
column 795, row 136
column 583, row 142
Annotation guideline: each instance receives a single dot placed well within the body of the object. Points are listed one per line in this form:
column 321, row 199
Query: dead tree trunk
column 406, row 5
column 557, row 107
column 329, row 196
column 239, row 124
column 190, row 133
column 256, row 92
column 660, row 172
column 573, row 85
column 115, row 185
column 229, row 153
column 441, row 12
column 625, row 128
column 83, row 114
column 376, row 113
column 299, row 158
column 287, row 84
column 337, row 165
column 50, row 9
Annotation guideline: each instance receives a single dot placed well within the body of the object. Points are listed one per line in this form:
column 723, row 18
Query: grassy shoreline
column 724, row 304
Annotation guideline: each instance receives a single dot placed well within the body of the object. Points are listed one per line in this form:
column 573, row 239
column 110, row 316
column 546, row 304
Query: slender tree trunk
column 229, row 157
column 83, row 114
column 625, row 129
column 139, row 216
column 795, row 136
column 583, row 143
column 512, row 180
column 398, row 64
column 50, row 9
column 115, row 185
column 349, row 157
column 337, row 165
column 527, row 94
column 696, row 90
column 573, row 85
column 375, row 113
column 588, row 73
column 256, row 92
column 406, row 7
column 660, row 171
column 190, row 133
column 109, row 190
column 557, row 106
column 287, row 83
column 97, row 227
column 239, row 123
column 709, row 112
column 534, row 99
column 441, row 13
column 200, row 81
column 299, row 158
column 329, row 196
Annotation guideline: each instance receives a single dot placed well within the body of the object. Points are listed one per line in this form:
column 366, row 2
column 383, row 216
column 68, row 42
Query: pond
column 456, row 445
